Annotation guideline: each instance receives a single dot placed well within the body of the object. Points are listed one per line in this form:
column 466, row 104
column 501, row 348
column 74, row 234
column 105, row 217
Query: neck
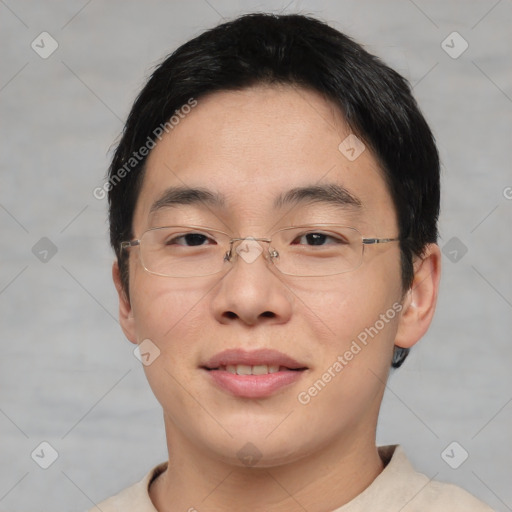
column 324, row 480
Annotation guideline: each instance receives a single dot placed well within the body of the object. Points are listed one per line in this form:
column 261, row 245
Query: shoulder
column 400, row 487
column 133, row 498
column 424, row 493
column 450, row 498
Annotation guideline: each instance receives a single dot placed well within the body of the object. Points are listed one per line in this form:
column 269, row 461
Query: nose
column 252, row 291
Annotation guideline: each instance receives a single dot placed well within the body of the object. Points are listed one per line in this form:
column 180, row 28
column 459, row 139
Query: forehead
column 251, row 147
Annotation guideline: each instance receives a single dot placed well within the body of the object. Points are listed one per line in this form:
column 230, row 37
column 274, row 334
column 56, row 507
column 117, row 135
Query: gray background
column 69, row 377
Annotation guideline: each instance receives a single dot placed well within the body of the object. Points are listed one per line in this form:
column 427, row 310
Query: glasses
column 305, row 251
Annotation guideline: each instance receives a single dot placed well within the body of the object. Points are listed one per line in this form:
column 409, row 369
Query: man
column 273, row 209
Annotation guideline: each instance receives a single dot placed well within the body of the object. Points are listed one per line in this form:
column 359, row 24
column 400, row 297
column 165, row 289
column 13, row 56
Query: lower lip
column 254, row 386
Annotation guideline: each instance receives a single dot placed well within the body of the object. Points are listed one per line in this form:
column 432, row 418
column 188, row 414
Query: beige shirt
column 399, row 488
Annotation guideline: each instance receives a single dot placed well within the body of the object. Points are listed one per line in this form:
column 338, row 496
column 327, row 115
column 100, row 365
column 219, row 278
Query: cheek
column 167, row 310
column 338, row 309
column 348, row 379
column 171, row 315
column 353, row 322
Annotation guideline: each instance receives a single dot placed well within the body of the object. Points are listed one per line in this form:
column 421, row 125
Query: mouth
column 255, row 374
column 259, row 369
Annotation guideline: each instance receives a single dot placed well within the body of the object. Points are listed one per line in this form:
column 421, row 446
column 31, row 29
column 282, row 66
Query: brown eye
column 318, row 239
column 189, row 240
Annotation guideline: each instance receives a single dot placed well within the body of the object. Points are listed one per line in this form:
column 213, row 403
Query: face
column 249, row 147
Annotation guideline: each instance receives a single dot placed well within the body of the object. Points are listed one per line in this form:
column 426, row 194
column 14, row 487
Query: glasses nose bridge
column 251, row 250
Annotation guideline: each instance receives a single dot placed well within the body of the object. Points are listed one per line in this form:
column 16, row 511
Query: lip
column 253, row 386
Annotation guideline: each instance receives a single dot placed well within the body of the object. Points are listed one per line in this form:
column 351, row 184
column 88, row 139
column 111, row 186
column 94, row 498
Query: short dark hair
column 297, row 50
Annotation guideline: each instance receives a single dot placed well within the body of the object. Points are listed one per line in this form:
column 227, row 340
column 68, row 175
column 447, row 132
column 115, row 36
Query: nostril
column 230, row 315
column 268, row 314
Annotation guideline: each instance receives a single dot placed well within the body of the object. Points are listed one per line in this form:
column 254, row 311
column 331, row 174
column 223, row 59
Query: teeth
column 261, row 369
column 243, row 369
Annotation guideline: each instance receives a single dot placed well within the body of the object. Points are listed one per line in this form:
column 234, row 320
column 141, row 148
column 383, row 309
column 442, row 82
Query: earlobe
column 126, row 319
column 420, row 300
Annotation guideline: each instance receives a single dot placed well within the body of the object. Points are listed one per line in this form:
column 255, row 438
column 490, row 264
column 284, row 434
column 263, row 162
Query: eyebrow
column 186, row 195
column 331, row 193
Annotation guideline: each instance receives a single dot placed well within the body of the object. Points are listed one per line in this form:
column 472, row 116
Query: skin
column 252, row 145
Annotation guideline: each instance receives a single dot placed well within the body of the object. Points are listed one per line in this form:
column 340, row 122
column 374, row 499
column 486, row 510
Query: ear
column 126, row 319
column 420, row 300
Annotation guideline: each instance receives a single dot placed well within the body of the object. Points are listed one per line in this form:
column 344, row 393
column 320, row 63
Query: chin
column 254, row 449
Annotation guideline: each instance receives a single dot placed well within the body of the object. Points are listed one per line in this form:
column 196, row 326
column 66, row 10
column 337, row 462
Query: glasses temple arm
column 131, row 243
column 370, row 241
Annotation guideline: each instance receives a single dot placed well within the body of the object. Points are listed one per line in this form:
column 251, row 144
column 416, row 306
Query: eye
column 189, row 240
column 317, row 238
